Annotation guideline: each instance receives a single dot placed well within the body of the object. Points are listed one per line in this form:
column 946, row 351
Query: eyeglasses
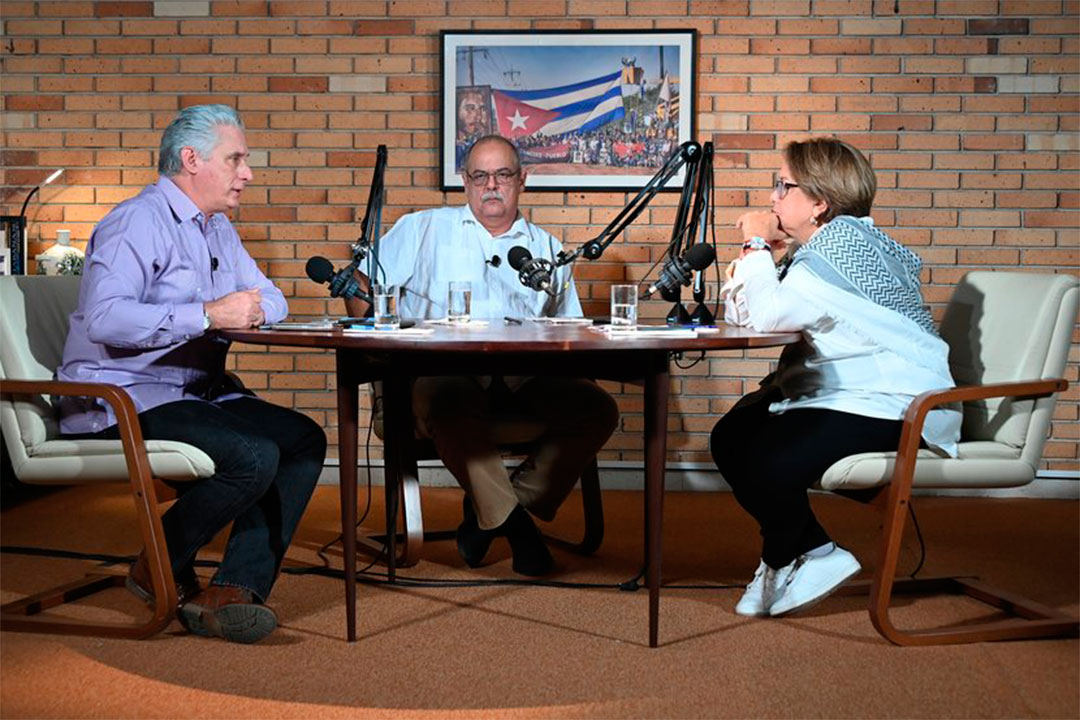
column 782, row 186
column 502, row 177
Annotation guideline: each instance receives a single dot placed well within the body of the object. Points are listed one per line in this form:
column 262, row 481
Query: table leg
column 657, row 382
column 397, row 432
column 348, row 413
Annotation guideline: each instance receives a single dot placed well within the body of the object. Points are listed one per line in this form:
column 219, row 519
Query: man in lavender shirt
column 164, row 271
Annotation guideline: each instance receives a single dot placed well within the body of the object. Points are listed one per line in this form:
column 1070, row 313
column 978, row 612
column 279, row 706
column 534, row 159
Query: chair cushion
column 980, row 464
column 64, row 461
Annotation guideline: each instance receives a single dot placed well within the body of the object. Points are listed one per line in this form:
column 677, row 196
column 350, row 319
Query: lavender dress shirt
column 150, row 265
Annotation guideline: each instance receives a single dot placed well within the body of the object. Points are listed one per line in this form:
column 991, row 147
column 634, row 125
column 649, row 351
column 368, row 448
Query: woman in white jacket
column 869, row 347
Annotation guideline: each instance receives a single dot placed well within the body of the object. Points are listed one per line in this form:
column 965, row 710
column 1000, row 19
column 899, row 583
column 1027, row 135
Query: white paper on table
column 367, row 330
column 560, row 321
column 446, row 322
column 648, row 331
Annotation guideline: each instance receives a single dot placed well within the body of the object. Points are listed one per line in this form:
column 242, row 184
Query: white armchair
column 34, row 315
column 1009, row 335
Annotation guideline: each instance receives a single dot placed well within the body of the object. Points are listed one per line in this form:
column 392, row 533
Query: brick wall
column 968, row 110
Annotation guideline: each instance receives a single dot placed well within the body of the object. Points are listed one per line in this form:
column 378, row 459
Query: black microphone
column 213, row 263
column 495, row 261
column 534, row 273
column 677, row 271
column 342, row 283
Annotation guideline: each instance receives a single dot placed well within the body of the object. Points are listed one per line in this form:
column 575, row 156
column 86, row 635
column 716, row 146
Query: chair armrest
column 927, row 401
column 916, row 413
column 115, row 395
column 127, row 420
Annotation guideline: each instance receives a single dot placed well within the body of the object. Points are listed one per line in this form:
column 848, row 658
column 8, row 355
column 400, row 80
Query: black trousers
column 770, row 461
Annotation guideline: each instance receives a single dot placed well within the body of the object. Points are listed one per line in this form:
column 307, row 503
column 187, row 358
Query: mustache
column 492, row 195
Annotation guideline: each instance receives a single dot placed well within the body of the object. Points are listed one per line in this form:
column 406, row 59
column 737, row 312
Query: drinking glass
column 624, row 308
column 459, row 301
column 386, row 311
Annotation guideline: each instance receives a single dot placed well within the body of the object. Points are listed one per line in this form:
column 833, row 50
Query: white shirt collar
column 516, row 229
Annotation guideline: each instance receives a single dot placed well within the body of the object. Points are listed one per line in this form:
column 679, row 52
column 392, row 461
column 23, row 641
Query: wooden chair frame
column 1030, row 619
column 25, row 615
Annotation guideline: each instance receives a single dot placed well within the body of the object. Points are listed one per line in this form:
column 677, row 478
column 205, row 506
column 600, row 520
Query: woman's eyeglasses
column 502, row 177
column 782, row 186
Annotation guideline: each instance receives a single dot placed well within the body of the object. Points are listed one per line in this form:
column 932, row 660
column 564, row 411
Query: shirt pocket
column 178, row 286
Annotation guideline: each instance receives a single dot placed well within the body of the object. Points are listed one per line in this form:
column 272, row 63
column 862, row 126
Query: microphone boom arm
column 689, row 154
column 369, row 226
column 703, row 210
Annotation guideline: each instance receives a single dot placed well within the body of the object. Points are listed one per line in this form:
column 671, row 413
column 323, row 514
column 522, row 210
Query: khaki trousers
column 459, row 415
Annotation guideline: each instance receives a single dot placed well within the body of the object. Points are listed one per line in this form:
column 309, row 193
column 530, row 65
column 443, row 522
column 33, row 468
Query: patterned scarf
column 860, row 259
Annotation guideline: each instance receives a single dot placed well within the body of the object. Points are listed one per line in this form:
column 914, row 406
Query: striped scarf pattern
column 860, row 259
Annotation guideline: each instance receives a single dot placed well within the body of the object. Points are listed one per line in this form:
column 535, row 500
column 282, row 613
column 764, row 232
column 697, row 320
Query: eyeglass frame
column 781, row 187
column 503, row 176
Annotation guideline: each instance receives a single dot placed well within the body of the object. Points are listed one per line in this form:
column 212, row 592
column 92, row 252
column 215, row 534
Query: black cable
column 382, row 578
column 687, row 367
column 712, row 226
column 321, row 553
column 365, row 576
column 918, row 534
column 105, row 559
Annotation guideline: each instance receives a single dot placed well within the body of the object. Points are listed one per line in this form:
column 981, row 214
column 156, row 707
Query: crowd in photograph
column 611, row 145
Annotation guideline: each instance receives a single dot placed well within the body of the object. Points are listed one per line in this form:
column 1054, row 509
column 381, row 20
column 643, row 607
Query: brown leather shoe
column 227, row 612
column 139, row 582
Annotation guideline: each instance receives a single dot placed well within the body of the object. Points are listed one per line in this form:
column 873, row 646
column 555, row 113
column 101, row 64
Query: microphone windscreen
column 518, row 256
column 319, row 269
column 700, row 256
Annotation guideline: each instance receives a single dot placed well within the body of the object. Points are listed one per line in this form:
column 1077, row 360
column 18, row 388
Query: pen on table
column 513, row 320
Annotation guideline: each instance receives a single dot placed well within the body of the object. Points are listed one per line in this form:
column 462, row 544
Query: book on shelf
column 14, row 240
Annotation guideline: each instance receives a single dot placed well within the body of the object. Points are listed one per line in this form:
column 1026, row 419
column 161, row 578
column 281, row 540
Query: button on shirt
column 426, row 250
column 151, row 264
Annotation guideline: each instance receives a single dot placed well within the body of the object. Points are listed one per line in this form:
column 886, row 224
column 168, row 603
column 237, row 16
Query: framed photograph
column 596, row 110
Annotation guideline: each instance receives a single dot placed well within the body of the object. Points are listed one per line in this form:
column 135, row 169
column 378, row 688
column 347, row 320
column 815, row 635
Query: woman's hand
column 765, row 225
column 762, row 224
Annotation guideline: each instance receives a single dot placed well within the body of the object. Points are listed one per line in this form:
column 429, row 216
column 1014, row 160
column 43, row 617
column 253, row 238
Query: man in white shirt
column 422, row 254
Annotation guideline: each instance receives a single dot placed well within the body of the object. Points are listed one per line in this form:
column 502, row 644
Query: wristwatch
column 756, row 243
column 205, row 319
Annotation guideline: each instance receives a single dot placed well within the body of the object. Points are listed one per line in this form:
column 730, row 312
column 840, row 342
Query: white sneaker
column 813, row 579
column 760, row 592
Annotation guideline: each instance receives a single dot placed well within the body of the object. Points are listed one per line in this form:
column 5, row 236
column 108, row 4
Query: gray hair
column 196, row 127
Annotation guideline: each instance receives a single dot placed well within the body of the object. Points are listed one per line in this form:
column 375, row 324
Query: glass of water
column 459, row 301
column 386, row 310
column 624, row 308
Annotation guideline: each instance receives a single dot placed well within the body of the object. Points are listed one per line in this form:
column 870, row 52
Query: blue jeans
column 267, row 460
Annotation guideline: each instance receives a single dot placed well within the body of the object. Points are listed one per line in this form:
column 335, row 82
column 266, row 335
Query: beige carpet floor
column 513, row 651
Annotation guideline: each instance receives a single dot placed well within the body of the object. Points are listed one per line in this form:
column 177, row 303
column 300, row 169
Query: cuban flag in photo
column 580, row 107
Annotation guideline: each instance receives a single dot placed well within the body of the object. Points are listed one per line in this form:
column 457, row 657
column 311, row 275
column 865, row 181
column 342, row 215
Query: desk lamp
column 15, row 231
